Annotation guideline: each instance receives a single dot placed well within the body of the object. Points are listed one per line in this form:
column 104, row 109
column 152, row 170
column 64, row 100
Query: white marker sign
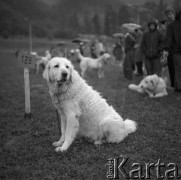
column 26, row 60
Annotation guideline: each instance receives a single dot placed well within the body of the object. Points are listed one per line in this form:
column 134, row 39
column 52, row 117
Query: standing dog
column 89, row 63
column 42, row 60
column 83, row 111
column 153, row 85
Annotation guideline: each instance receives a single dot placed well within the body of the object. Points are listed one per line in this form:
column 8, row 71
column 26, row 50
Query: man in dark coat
column 170, row 16
column 173, row 45
column 152, row 45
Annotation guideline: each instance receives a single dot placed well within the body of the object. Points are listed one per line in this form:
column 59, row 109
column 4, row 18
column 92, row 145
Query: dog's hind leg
column 160, row 94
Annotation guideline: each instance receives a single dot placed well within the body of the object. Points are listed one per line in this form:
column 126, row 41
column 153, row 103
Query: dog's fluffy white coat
column 153, row 85
column 83, row 111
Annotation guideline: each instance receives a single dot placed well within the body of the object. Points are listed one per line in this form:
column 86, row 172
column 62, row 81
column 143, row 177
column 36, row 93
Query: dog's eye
column 56, row 66
column 67, row 66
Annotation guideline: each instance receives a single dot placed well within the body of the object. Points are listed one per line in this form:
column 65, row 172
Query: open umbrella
column 131, row 26
column 118, row 35
column 79, row 40
column 61, row 43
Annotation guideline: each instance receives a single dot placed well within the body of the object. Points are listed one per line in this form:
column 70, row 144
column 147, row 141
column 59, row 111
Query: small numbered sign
column 26, row 60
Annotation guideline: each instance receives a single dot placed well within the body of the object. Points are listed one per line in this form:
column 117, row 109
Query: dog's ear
column 71, row 71
column 46, row 72
column 154, row 81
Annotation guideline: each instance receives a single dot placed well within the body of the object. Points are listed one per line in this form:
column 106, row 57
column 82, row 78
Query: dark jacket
column 129, row 42
column 173, row 37
column 152, row 42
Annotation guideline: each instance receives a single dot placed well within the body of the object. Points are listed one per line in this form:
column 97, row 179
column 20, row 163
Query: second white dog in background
column 43, row 60
column 89, row 63
column 153, row 85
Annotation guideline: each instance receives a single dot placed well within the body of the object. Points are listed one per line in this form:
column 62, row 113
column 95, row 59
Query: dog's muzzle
column 63, row 78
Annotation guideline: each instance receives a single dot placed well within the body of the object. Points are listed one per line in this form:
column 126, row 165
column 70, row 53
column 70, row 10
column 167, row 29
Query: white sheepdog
column 82, row 110
column 90, row 63
column 153, row 85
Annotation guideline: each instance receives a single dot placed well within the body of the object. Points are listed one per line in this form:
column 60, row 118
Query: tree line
column 69, row 17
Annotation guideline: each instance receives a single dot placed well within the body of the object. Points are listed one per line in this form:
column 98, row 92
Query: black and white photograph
column 90, row 89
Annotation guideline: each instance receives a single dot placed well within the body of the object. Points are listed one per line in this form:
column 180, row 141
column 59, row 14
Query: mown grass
column 26, row 144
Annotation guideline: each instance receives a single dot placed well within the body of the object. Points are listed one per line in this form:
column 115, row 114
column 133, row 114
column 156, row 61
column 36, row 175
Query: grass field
column 26, row 144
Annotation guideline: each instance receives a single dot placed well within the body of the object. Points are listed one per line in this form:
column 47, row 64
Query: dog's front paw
column 60, row 149
column 57, row 143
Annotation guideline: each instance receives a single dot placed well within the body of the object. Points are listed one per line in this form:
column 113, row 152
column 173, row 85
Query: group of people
column 96, row 48
column 147, row 47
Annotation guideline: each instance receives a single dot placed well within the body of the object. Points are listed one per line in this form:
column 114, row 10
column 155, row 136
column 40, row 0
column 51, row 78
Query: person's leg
column 157, row 66
column 171, row 69
column 128, row 66
column 148, row 66
column 177, row 66
column 139, row 68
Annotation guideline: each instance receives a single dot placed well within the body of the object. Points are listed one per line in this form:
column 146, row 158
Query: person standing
column 128, row 65
column 139, row 57
column 173, row 45
column 100, row 50
column 170, row 16
column 151, row 46
column 93, row 49
column 118, row 50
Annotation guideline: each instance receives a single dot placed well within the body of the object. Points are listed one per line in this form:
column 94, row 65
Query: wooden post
column 30, row 35
column 27, row 93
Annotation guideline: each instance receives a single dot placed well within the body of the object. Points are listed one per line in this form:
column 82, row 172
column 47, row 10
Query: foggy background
column 68, row 18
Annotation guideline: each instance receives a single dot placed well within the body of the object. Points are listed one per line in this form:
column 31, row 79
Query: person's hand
column 165, row 54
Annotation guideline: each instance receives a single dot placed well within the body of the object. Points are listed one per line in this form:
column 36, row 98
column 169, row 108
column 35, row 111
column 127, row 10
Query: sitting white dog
column 153, row 85
column 89, row 63
column 82, row 110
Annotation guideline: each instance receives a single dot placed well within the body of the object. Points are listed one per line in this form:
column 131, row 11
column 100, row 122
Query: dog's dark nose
column 64, row 74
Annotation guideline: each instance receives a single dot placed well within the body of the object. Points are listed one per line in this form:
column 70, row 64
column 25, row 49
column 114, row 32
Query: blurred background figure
column 128, row 65
column 173, row 45
column 81, row 47
column 170, row 16
column 100, row 49
column 139, row 56
column 151, row 46
column 93, row 49
column 118, row 50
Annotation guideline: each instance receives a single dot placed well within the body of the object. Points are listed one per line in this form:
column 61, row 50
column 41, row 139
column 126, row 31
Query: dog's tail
column 130, row 125
column 135, row 87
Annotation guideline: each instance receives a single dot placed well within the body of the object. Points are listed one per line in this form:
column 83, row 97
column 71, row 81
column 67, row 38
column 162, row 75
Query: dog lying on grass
column 82, row 110
column 153, row 85
column 89, row 63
